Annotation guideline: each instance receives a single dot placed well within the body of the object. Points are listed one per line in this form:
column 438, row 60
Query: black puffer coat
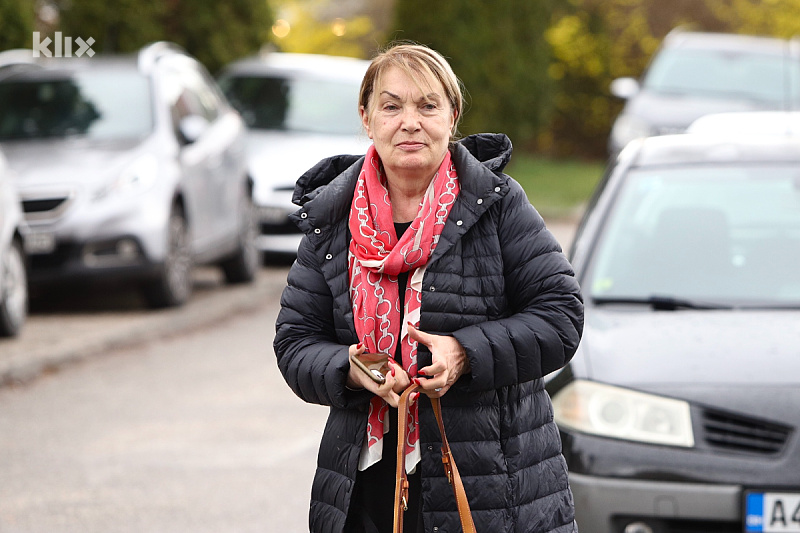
column 498, row 283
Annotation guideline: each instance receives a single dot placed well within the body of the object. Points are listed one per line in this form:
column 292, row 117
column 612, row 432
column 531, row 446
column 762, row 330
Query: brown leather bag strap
column 449, row 462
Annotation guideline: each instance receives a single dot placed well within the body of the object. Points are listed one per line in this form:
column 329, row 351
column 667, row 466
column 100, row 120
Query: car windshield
column 724, row 74
column 303, row 105
column 716, row 236
column 103, row 105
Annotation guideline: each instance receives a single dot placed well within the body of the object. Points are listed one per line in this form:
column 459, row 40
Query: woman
column 424, row 250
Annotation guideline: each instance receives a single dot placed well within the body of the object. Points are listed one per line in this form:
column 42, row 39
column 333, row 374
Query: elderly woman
column 424, row 250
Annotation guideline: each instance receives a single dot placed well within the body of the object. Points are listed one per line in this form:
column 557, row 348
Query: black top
column 372, row 505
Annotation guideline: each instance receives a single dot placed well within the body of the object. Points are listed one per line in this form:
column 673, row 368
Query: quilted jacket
column 499, row 283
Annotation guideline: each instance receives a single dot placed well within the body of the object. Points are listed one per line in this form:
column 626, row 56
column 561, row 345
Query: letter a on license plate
column 772, row 512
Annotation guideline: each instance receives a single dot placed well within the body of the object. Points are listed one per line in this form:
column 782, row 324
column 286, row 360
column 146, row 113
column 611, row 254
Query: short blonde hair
column 422, row 64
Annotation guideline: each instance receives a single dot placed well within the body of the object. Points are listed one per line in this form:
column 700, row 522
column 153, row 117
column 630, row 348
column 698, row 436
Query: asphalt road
column 193, row 433
column 116, row 418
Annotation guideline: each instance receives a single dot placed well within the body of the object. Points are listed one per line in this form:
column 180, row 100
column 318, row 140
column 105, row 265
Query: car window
column 724, row 74
column 304, row 105
column 97, row 104
column 186, row 95
column 724, row 234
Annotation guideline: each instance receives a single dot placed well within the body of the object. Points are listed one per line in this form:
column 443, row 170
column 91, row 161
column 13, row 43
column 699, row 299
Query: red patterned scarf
column 376, row 257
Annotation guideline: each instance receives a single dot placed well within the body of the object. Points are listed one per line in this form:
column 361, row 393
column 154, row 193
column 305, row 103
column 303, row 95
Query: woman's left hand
column 450, row 361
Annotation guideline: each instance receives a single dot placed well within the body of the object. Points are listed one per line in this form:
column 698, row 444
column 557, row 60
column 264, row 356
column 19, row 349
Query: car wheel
column 243, row 265
column 14, row 295
column 174, row 284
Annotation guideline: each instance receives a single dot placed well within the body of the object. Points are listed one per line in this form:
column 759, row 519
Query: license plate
column 772, row 512
column 40, row 242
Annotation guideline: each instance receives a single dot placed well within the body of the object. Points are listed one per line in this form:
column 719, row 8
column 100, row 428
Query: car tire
column 244, row 264
column 173, row 286
column 14, row 295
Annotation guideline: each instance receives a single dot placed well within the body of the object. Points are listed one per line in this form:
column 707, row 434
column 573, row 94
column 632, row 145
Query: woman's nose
column 410, row 120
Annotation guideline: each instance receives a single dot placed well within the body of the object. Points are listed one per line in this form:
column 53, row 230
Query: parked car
column 694, row 74
column 299, row 109
column 679, row 412
column 13, row 275
column 130, row 168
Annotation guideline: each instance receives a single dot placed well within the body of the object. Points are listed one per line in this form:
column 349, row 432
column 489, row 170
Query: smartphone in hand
column 374, row 365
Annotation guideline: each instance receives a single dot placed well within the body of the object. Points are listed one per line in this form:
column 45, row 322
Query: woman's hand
column 450, row 361
column 396, row 382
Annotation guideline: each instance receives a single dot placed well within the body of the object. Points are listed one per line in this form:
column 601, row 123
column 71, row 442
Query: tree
column 214, row 32
column 219, row 32
column 121, row 26
column 498, row 50
column 17, row 22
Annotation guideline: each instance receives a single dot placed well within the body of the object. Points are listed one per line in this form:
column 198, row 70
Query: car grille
column 743, row 434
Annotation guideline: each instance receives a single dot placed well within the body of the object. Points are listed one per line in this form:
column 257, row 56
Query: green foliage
column 16, row 21
column 214, row 32
column 122, row 26
column 311, row 30
column 499, row 52
column 595, row 41
column 218, row 32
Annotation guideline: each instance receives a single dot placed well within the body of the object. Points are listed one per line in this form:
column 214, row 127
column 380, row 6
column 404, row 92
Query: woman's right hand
column 397, row 379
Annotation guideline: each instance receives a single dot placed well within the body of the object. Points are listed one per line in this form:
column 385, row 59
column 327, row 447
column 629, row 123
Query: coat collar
column 325, row 191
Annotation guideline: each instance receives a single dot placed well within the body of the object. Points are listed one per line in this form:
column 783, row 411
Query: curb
column 51, row 342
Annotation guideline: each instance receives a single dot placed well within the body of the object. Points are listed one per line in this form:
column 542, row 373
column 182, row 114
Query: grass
column 557, row 188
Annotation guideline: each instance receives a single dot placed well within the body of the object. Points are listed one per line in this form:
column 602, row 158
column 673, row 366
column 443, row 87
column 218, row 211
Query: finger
column 419, row 336
column 357, row 349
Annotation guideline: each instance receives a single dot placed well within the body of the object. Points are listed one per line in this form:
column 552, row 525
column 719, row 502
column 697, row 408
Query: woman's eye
column 390, row 107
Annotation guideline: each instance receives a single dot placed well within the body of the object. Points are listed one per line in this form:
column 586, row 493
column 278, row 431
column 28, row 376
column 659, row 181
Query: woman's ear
column 365, row 120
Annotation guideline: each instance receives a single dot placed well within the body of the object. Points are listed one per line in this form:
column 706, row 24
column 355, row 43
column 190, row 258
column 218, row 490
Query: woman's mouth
column 410, row 145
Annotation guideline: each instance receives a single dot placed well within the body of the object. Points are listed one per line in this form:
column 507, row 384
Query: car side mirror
column 624, row 88
column 192, row 128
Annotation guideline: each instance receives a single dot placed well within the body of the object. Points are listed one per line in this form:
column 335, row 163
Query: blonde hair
column 421, row 64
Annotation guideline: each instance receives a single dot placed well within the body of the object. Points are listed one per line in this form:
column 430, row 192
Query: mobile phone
column 374, row 365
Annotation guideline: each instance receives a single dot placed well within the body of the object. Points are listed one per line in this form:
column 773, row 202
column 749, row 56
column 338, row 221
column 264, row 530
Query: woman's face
column 410, row 129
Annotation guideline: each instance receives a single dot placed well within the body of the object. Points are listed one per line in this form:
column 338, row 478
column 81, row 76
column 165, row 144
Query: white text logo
column 63, row 47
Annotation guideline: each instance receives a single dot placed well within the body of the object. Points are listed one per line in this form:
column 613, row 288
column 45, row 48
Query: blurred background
column 538, row 71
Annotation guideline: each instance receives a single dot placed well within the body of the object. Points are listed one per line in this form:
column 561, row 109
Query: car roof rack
column 151, row 53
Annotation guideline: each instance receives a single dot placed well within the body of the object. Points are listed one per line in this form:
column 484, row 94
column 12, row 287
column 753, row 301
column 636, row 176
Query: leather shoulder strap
column 449, row 462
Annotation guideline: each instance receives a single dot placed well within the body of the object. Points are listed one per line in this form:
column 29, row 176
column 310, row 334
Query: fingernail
column 359, row 345
column 392, row 371
column 421, row 372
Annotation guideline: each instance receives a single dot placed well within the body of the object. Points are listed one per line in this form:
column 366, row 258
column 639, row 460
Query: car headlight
column 621, row 413
column 627, row 128
column 135, row 178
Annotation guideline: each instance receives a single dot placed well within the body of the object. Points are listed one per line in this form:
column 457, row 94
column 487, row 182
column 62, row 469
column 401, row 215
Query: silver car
column 13, row 280
column 694, row 74
column 130, row 169
column 299, row 108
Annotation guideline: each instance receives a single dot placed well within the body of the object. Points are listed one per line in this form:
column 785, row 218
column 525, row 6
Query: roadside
column 74, row 328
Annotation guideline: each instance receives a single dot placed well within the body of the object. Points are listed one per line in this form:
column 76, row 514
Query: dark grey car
column 680, row 411
column 694, row 74
column 130, row 169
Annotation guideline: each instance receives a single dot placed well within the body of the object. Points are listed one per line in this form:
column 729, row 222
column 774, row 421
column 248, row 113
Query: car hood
column 660, row 350
column 674, row 111
column 278, row 159
column 67, row 161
